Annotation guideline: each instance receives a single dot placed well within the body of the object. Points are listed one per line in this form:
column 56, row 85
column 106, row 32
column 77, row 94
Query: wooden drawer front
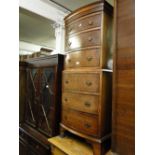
column 91, row 38
column 86, row 58
column 90, row 9
column 81, row 102
column 86, row 82
column 84, row 123
column 85, row 23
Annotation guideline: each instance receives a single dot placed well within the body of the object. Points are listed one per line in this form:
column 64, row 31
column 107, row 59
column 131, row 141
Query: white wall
column 42, row 8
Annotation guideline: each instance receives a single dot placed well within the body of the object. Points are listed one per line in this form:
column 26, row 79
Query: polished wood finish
column 43, row 101
column 82, row 102
column 84, row 39
column 95, row 41
column 83, row 11
column 89, row 81
column 92, row 83
column 84, row 23
column 86, row 87
column 83, row 58
column 123, row 141
column 98, row 148
column 82, row 122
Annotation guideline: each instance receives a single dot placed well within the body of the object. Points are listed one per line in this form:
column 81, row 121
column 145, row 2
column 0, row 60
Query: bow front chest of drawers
column 86, row 83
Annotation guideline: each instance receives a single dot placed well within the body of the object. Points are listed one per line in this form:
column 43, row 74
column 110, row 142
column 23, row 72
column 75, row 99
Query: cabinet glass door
column 46, row 106
column 32, row 98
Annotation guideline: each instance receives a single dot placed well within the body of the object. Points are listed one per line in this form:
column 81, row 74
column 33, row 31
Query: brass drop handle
column 90, row 38
column 66, row 99
column 80, row 25
column 87, row 125
column 87, row 104
column 90, row 22
column 69, row 44
column 89, row 58
column 66, row 81
column 88, row 83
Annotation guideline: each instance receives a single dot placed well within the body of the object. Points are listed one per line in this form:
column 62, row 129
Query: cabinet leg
column 101, row 148
column 98, row 149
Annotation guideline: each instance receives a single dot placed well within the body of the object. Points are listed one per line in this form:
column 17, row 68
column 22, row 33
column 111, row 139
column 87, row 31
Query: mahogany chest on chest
column 87, row 77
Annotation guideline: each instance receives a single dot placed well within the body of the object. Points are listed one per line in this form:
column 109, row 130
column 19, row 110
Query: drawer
column 89, row 9
column 81, row 40
column 81, row 102
column 81, row 82
column 80, row 122
column 84, row 23
column 85, row 58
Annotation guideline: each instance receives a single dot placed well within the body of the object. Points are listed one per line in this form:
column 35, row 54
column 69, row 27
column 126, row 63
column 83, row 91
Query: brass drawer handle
column 90, row 38
column 88, row 83
column 87, row 125
column 66, row 99
column 80, row 25
column 90, row 22
column 87, row 104
column 66, row 81
column 69, row 44
column 89, row 58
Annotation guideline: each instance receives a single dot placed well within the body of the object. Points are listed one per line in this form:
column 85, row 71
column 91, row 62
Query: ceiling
column 72, row 5
column 38, row 30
